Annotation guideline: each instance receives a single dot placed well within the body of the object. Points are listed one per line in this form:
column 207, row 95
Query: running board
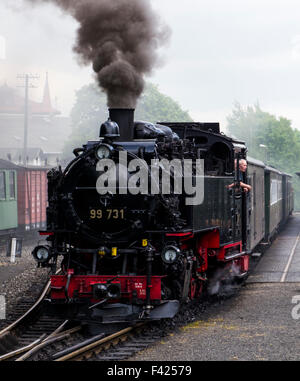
column 236, row 255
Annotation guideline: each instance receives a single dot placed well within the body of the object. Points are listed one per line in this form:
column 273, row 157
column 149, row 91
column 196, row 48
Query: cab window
column 2, row 186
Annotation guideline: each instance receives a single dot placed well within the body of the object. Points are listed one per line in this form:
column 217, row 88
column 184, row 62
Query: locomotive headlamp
column 170, row 254
column 41, row 254
column 114, row 290
column 104, row 151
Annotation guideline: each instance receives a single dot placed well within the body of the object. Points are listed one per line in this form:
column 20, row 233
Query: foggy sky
column 220, row 52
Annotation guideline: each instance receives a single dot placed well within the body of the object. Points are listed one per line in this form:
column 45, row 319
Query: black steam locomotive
column 143, row 218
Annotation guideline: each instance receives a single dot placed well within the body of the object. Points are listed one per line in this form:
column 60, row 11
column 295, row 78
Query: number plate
column 107, row 214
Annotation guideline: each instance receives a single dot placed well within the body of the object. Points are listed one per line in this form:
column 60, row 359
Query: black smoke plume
column 120, row 38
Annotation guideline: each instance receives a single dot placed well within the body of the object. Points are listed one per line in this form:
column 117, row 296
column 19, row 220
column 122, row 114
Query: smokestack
column 124, row 117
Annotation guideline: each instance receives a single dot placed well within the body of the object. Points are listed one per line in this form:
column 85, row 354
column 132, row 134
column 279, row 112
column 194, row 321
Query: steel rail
column 31, row 309
column 48, row 340
column 18, row 351
column 40, row 343
column 13, row 325
column 99, row 343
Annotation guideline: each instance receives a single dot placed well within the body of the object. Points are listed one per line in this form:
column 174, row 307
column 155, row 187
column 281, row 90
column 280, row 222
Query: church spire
column 46, row 97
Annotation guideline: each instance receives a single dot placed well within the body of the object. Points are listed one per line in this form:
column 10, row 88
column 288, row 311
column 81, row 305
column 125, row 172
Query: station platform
column 281, row 262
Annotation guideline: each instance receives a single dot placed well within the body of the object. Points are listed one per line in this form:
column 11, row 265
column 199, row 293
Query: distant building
column 47, row 130
column 35, row 157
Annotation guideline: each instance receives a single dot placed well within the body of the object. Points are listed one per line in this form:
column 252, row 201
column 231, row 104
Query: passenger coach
column 8, row 199
column 23, row 200
column 270, row 202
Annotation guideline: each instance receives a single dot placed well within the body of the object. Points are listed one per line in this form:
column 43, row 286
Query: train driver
column 243, row 168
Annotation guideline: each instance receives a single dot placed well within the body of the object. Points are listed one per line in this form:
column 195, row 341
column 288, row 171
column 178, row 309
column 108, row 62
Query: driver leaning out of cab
column 243, row 168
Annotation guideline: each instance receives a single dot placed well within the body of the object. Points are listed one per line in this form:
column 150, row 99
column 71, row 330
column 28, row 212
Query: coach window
column 12, row 185
column 2, row 186
column 280, row 190
column 274, row 192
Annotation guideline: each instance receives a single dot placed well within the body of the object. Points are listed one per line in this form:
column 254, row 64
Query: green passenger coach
column 8, row 199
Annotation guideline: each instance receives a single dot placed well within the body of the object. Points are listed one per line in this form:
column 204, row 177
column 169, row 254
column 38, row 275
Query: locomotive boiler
column 142, row 219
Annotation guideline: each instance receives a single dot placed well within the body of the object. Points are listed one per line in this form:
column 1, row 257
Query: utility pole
column 26, row 85
column 266, row 152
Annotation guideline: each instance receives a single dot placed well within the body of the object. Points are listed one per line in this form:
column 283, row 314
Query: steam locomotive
column 134, row 241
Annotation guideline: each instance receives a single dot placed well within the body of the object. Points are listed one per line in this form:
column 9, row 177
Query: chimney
column 124, row 117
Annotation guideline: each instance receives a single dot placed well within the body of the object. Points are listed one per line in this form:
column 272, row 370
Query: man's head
column 243, row 165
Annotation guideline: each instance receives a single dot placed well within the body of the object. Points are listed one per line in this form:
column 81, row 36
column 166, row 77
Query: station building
column 47, row 128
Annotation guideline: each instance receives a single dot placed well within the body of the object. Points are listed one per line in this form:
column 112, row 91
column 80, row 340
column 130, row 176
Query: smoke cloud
column 121, row 39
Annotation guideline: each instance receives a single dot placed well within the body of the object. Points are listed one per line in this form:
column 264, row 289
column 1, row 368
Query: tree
column 90, row 111
column 87, row 115
column 154, row 106
column 269, row 139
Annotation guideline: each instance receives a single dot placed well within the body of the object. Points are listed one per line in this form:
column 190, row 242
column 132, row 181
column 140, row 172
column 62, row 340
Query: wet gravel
column 253, row 325
column 19, row 280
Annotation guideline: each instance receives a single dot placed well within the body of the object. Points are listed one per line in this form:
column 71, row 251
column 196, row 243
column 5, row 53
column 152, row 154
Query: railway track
column 35, row 336
column 30, row 334
column 33, row 332
column 117, row 346
column 31, row 327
